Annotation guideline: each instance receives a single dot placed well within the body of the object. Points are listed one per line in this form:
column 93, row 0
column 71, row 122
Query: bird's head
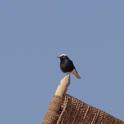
column 63, row 57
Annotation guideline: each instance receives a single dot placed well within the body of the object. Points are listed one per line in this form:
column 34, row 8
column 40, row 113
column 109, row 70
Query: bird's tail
column 76, row 74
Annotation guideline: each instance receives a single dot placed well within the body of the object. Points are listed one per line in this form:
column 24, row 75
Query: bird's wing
column 76, row 74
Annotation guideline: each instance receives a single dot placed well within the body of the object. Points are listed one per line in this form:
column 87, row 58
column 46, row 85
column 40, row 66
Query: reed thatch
column 69, row 110
column 65, row 109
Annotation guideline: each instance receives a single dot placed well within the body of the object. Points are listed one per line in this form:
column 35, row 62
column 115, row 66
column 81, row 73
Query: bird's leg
column 67, row 73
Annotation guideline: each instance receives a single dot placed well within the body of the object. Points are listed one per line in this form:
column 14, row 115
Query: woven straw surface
column 73, row 111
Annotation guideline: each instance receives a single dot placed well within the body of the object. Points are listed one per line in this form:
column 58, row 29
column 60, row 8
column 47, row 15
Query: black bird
column 67, row 66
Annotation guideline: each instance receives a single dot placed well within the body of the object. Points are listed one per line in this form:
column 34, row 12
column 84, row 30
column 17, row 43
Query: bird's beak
column 58, row 57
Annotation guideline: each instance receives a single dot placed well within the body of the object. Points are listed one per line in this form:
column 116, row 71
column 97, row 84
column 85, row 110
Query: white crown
column 62, row 55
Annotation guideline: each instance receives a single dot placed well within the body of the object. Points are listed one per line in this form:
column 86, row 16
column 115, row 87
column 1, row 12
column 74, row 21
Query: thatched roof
column 65, row 109
column 69, row 110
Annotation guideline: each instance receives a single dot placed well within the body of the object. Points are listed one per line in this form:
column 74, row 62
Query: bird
column 67, row 66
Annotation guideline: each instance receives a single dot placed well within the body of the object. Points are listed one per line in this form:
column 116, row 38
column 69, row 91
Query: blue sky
column 33, row 33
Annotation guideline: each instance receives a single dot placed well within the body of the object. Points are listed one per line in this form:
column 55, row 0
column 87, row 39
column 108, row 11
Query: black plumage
column 67, row 66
